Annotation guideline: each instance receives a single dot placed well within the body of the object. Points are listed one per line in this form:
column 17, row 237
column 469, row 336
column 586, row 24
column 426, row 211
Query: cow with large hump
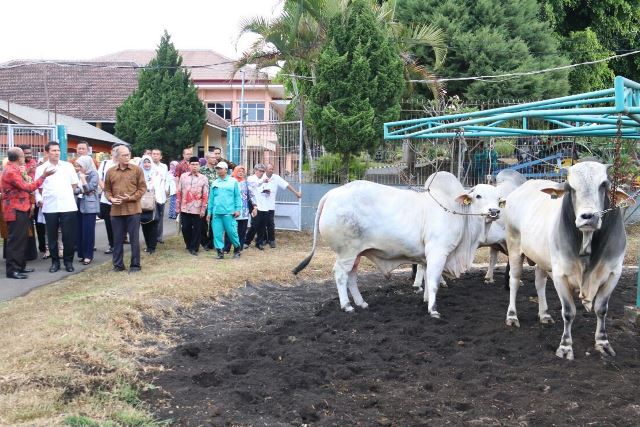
column 392, row 226
column 507, row 180
column 569, row 233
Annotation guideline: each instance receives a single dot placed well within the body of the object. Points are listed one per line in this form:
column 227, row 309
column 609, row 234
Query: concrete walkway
column 11, row 288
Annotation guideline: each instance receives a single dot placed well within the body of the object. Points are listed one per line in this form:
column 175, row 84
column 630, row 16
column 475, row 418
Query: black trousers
column 207, row 233
column 159, row 222
column 271, row 227
column 105, row 214
column 191, row 230
column 123, row 225
column 65, row 221
column 16, row 243
column 41, row 231
column 150, row 233
column 258, row 228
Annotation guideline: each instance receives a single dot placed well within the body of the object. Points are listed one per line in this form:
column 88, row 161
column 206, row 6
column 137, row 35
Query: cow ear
column 622, row 197
column 464, row 199
column 554, row 192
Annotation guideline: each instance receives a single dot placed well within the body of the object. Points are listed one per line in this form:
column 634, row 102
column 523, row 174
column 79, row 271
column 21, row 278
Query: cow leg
column 341, row 271
column 565, row 349
column 541, row 284
column 352, row 283
column 435, row 265
column 515, row 261
column 493, row 259
column 601, row 306
column 419, row 277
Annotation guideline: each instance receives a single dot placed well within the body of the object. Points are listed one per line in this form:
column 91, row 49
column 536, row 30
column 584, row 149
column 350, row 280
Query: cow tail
column 307, row 260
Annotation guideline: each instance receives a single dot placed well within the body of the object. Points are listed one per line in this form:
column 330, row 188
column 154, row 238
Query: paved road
column 11, row 288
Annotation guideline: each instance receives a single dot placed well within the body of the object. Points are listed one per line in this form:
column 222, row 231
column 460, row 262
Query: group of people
column 217, row 205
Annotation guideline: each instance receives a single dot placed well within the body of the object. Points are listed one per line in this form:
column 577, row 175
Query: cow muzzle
column 493, row 214
column 588, row 221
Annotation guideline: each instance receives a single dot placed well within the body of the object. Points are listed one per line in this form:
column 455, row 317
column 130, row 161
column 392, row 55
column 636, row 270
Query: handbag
column 148, row 200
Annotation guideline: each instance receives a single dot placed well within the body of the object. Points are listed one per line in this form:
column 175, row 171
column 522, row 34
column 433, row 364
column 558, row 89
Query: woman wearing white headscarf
column 88, row 208
column 148, row 221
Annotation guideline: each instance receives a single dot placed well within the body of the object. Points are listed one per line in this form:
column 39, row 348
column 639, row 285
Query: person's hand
column 299, row 194
column 208, row 218
column 116, row 200
column 201, row 214
column 49, row 172
column 254, row 212
column 236, row 214
column 39, row 203
column 125, row 197
column 22, row 168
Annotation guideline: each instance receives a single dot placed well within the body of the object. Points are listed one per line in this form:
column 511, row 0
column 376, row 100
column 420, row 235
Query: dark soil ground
column 275, row 355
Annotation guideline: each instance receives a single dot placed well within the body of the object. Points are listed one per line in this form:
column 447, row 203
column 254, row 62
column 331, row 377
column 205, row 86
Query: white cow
column 507, row 181
column 563, row 229
column 392, row 226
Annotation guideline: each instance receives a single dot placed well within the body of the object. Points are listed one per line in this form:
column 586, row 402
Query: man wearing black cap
column 192, row 193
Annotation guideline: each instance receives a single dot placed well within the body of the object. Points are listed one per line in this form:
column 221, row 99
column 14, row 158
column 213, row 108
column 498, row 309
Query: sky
column 85, row 29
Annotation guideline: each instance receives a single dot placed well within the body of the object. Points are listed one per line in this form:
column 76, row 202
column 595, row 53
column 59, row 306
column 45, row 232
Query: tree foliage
column 615, row 24
column 491, row 37
column 583, row 46
column 359, row 82
column 164, row 111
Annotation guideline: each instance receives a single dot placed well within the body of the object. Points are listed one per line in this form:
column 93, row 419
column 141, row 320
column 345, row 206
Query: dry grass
column 72, row 352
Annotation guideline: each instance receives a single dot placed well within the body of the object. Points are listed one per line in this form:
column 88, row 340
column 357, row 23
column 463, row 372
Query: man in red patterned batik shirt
column 16, row 204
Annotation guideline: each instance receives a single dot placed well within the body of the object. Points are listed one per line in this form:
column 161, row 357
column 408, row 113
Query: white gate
column 279, row 143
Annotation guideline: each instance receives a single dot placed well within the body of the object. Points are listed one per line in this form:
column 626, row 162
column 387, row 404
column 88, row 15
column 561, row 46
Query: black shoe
column 108, row 251
column 118, row 269
column 26, row 270
column 17, row 275
column 220, row 254
column 151, row 251
column 272, row 244
column 69, row 268
column 245, row 246
column 260, row 246
column 161, row 242
column 54, row 268
column 194, row 253
column 135, row 269
column 236, row 252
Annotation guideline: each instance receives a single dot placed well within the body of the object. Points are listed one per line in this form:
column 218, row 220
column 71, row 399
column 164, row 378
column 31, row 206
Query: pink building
column 220, row 89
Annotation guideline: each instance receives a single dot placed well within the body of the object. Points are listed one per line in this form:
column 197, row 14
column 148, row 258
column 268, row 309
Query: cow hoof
column 605, row 348
column 443, row 284
column 565, row 352
column 434, row 314
column 364, row 305
column 418, row 290
column 347, row 308
column 488, row 281
column 546, row 319
column 513, row 321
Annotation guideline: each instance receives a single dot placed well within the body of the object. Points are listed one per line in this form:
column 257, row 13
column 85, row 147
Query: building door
column 277, row 143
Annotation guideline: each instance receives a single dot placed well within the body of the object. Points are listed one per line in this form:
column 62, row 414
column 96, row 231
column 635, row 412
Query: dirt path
column 289, row 356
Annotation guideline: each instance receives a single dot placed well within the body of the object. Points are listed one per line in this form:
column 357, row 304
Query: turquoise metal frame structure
column 592, row 114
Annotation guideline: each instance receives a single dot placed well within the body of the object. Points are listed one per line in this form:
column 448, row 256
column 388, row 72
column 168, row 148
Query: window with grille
column 221, row 108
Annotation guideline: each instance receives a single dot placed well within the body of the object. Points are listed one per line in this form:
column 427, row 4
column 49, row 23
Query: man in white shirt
column 59, row 206
column 275, row 181
column 105, row 204
column 161, row 192
column 262, row 192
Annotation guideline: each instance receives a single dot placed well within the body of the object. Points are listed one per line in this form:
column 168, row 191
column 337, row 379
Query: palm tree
column 293, row 41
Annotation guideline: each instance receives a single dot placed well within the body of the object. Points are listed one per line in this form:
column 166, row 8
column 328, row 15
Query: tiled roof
column 88, row 92
column 216, row 120
column 218, row 67
column 76, row 127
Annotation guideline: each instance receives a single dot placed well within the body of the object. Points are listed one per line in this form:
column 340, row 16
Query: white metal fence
column 35, row 137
